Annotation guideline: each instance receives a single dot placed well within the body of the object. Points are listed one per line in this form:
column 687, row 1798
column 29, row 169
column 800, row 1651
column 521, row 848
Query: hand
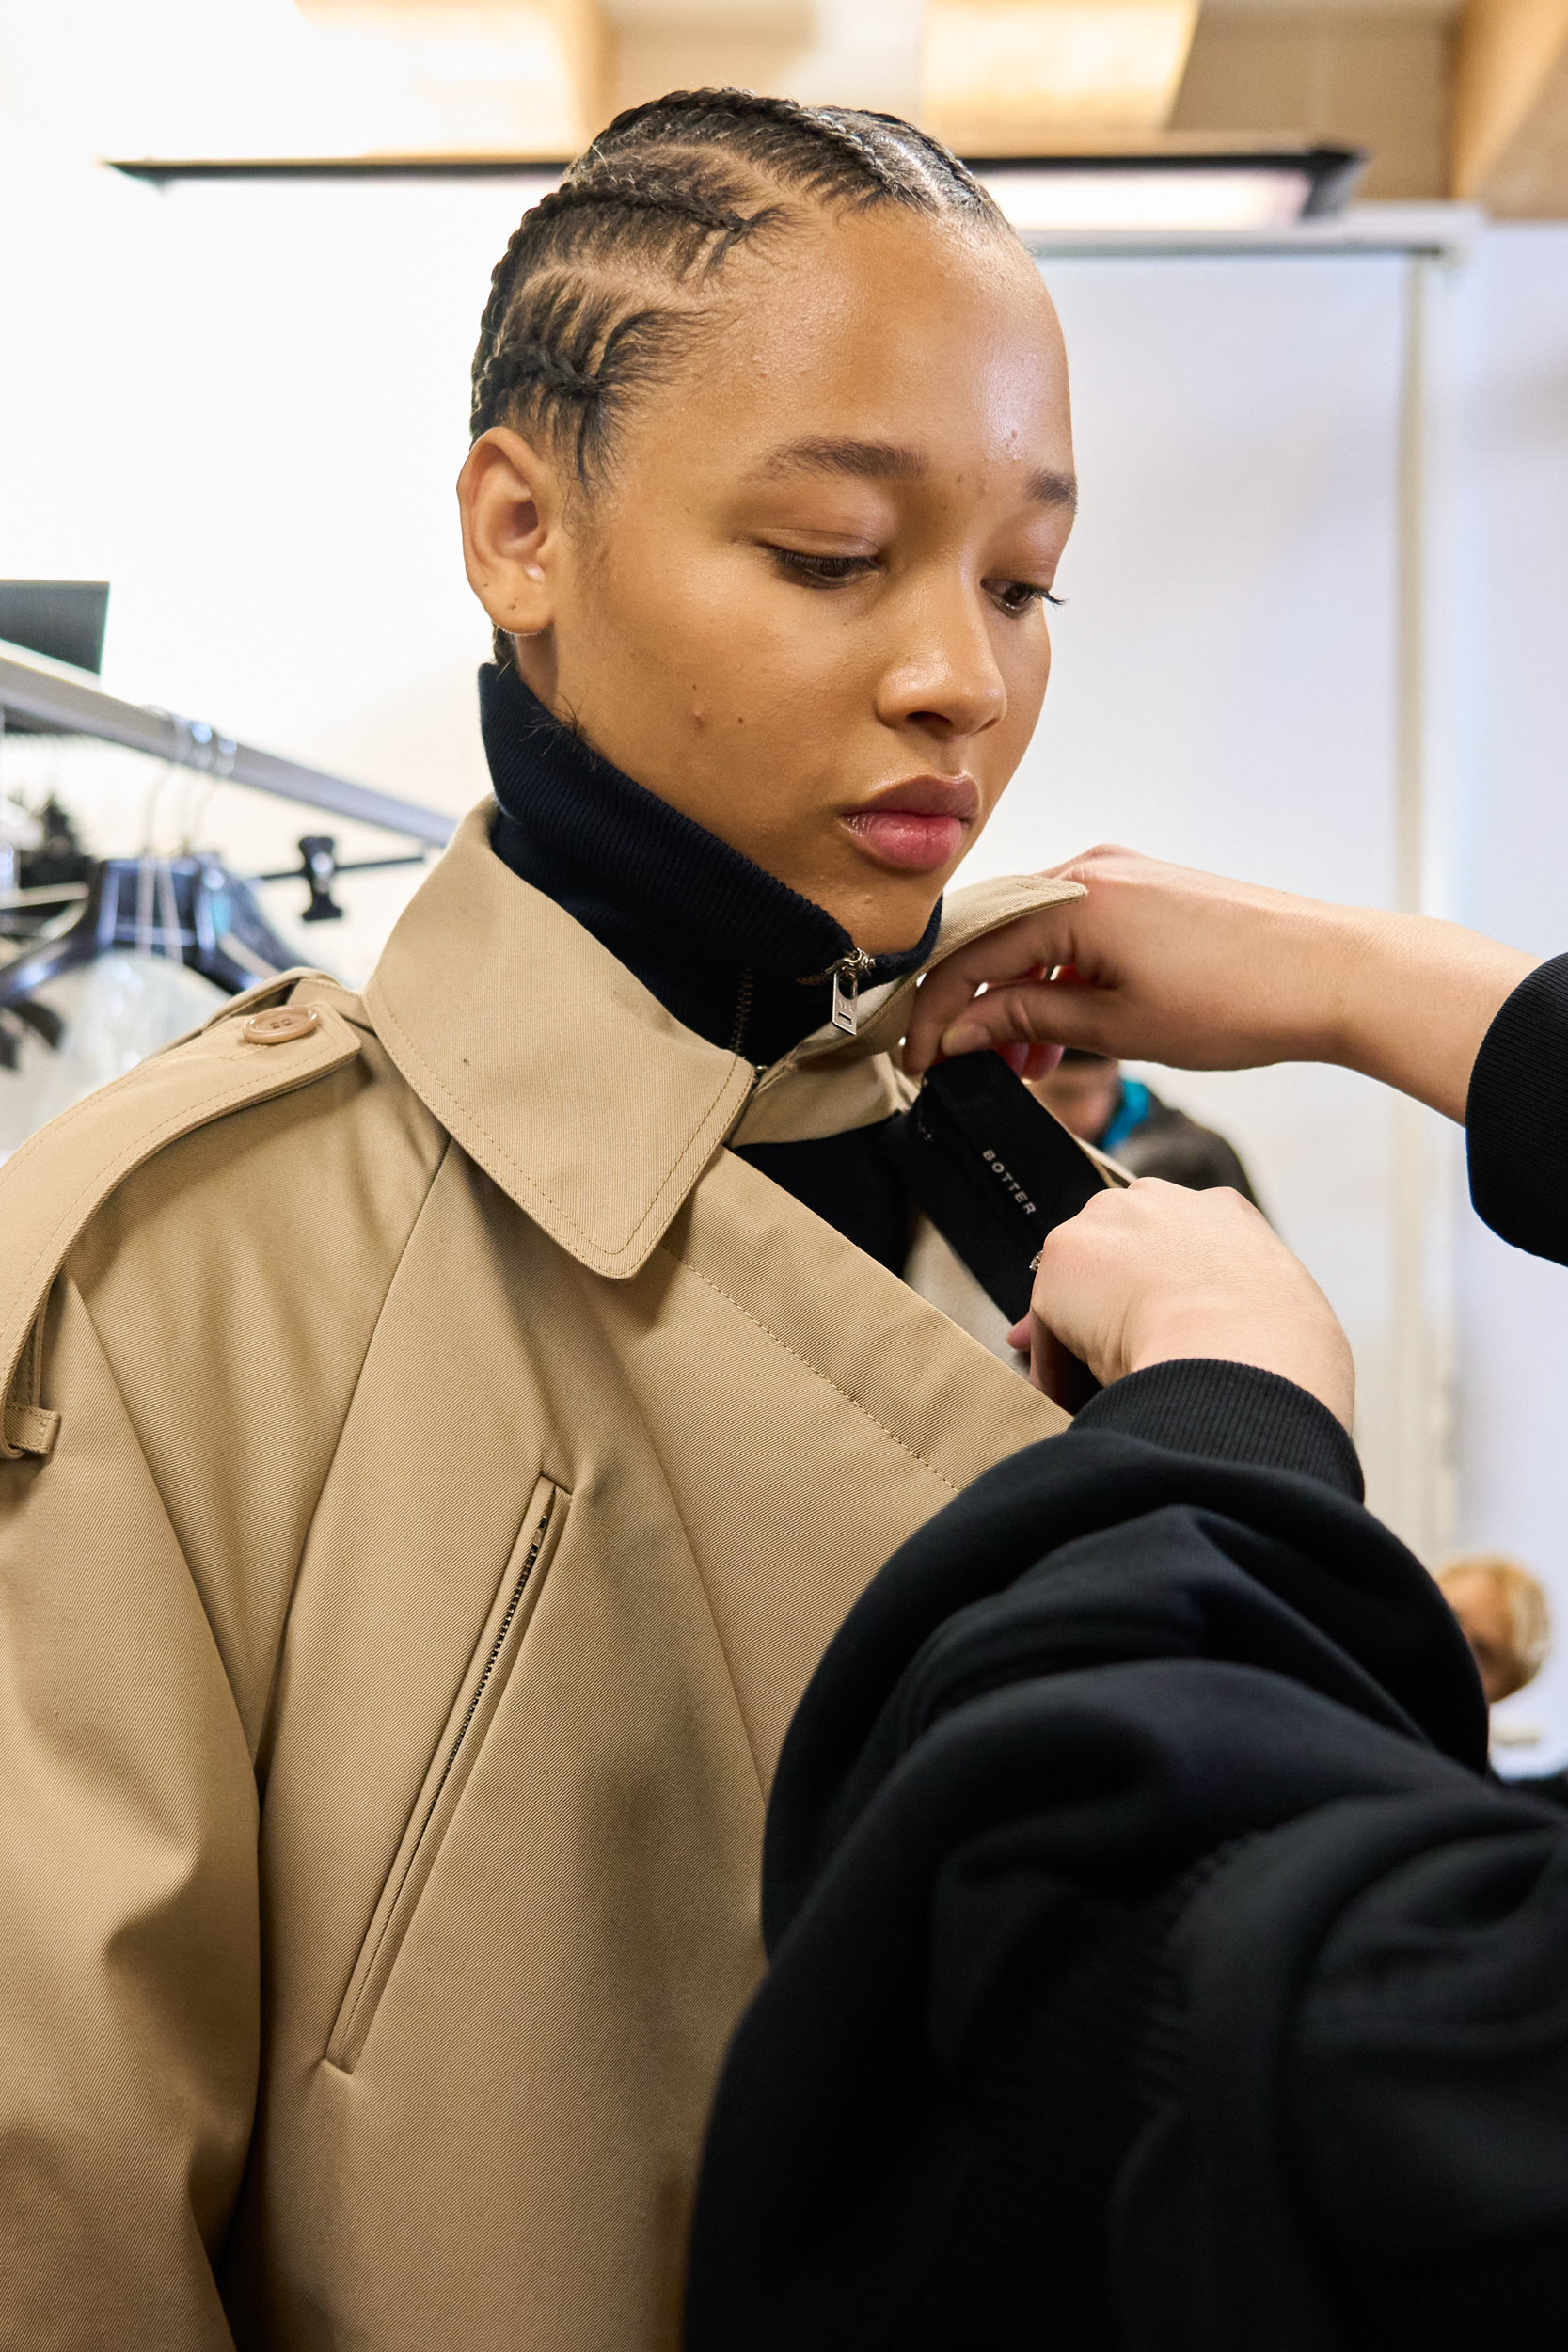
column 1162, row 964
column 1154, row 1273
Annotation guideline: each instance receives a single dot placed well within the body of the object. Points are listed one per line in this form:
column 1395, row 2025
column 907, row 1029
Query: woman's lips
column 907, row 838
column 919, row 824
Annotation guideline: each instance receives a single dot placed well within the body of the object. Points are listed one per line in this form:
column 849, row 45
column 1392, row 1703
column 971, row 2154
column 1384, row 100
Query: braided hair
column 575, row 328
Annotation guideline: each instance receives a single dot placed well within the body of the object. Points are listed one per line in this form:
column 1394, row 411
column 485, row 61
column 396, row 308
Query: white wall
column 1511, row 881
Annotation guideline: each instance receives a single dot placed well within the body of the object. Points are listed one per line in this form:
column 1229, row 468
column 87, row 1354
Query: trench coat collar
column 560, row 1074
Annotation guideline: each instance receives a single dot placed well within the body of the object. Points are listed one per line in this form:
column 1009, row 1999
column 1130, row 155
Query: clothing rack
column 50, row 695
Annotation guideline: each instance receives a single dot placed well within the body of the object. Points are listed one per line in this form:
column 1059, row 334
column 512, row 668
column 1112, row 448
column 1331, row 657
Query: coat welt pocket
column 495, row 1655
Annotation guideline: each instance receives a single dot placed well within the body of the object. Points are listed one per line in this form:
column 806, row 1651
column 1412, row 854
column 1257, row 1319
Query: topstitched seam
column 902, row 1443
column 106, row 1178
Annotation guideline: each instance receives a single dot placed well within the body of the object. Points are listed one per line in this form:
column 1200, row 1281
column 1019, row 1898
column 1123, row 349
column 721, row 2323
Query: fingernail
column 963, row 1037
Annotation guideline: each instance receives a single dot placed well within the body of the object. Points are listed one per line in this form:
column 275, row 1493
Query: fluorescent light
column 1202, row 194
column 1066, row 200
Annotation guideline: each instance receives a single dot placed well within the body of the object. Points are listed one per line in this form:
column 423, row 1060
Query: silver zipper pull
column 846, row 989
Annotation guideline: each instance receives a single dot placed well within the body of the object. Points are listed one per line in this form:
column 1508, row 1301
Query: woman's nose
column 946, row 677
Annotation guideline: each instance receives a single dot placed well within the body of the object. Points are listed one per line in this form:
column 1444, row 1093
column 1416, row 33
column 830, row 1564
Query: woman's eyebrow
column 890, row 461
column 1047, row 489
column 867, row 461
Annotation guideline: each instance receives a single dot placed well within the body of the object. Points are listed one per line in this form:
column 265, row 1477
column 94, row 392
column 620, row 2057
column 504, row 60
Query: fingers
column 1155, row 1273
column 1041, row 1016
column 1029, row 947
column 1053, row 1369
column 1155, row 963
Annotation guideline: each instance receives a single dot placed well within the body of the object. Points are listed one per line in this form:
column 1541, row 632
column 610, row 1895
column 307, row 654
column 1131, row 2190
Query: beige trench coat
column 432, row 1466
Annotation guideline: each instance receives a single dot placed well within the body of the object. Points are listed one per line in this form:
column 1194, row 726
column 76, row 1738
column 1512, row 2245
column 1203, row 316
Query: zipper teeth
column 496, row 1648
column 742, row 1011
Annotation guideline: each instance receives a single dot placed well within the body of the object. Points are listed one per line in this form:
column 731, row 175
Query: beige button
column 277, row 1027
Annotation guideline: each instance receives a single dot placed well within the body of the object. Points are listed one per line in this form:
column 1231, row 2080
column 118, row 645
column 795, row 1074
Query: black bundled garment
column 1152, row 1966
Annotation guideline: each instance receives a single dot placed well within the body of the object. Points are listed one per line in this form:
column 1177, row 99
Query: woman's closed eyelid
column 822, row 571
column 828, row 571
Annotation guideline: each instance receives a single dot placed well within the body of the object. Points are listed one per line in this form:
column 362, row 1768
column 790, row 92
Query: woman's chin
column 883, row 909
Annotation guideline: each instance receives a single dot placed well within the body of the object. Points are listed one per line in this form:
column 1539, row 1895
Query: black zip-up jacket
column 1153, row 1967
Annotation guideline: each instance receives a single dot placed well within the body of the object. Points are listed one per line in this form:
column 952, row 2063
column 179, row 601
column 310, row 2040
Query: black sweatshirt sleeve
column 1152, row 1967
column 1229, row 1412
column 1517, row 1117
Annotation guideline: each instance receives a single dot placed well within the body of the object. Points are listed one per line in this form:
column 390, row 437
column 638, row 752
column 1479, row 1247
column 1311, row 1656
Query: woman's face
column 807, row 605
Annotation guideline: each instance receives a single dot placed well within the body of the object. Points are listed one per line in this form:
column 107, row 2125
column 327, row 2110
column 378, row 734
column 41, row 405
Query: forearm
column 1403, row 998
column 1162, row 964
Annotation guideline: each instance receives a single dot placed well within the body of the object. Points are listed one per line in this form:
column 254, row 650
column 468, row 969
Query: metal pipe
column 49, row 696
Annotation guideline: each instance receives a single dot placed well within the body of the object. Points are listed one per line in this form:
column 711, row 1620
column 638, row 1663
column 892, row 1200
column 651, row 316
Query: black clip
column 319, row 871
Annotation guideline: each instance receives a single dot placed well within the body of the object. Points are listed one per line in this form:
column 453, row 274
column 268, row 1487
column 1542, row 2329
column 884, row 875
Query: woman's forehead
column 876, row 345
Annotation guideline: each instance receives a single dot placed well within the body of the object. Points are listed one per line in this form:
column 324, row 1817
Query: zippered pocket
column 495, row 1655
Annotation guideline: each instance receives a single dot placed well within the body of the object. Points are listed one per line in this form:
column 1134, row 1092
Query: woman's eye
column 1017, row 595
column 822, row 571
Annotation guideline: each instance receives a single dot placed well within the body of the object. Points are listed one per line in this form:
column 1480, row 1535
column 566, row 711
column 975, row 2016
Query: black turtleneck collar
column 724, row 947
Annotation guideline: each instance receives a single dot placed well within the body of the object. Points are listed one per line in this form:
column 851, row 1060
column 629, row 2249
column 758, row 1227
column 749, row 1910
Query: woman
column 1154, row 1967
column 443, row 1430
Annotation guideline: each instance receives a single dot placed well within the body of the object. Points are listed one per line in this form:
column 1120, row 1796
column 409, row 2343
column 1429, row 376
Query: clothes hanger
column 189, row 907
column 25, row 891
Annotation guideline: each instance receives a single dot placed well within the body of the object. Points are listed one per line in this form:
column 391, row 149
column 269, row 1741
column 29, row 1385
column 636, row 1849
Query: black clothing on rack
column 1154, row 1967
column 732, row 953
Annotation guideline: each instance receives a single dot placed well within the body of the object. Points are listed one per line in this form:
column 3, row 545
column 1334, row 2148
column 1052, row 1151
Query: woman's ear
column 509, row 496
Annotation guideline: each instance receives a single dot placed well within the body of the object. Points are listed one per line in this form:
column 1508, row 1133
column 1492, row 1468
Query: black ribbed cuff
column 1515, row 1125
column 1229, row 1413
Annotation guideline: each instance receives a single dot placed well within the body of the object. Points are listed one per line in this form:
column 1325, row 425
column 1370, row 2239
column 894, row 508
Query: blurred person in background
column 1121, row 1116
column 1504, row 1616
column 1502, row 1611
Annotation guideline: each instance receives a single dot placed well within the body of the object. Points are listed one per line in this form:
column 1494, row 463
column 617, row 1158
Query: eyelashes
column 1019, row 595
column 822, row 571
column 1013, row 597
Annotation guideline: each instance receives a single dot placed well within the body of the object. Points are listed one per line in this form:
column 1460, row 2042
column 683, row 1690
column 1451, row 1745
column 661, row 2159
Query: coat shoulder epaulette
column 282, row 1034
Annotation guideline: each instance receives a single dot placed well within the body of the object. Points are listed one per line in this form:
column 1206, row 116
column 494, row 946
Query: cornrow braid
column 608, row 226
column 573, row 333
column 585, row 352
column 826, row 151
column 633, row 195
